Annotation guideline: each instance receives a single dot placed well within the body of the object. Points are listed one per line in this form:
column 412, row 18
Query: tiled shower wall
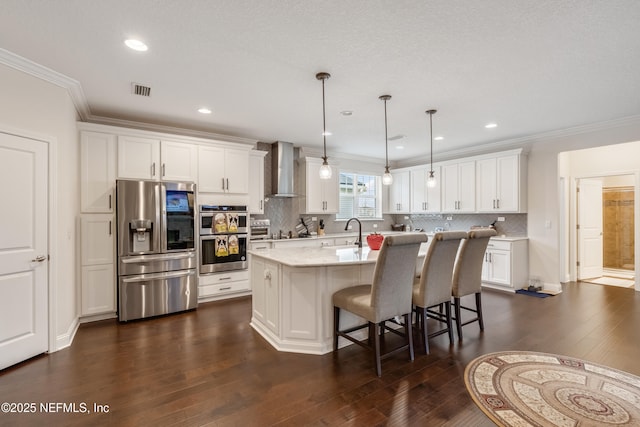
column 285, row 213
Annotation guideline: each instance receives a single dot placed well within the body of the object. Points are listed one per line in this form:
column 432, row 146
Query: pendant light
column 325, row 169
column 431, row 180
column 387, row 178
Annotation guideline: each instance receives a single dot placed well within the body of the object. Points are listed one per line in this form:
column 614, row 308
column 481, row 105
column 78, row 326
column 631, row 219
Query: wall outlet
column 314, row 218
column 350, row 227
column 406, row 217
column 375, row 225
column 500, row 219
column 449, row 218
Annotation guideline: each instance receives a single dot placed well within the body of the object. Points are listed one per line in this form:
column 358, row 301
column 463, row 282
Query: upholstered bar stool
column 388, row 296
column 467, row 276
column 433, row 287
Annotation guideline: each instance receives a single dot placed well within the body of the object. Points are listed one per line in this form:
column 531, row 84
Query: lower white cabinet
column 98, row 289
column 223, row 285
column 265, row 277
column 506, row 264
column 98, row 280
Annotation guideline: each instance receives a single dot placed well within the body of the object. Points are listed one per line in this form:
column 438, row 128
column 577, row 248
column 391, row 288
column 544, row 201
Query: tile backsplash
column 514, row 225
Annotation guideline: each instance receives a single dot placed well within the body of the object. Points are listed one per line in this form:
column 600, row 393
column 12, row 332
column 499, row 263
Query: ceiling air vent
column 141, row 90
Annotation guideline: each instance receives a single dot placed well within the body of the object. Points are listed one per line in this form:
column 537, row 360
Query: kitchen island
column 292, row 290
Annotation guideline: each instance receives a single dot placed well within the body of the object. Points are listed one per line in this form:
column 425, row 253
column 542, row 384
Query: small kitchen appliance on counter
column 260, row 229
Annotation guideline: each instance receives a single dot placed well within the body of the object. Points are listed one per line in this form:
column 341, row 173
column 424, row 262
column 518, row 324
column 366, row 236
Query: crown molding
column 524, row 142
column 29, row 67
column 130, row 124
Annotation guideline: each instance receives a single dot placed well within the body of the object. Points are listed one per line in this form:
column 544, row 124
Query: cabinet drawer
column 222, row 278
column 255, row 246
column 499, row 244
column 223, row 288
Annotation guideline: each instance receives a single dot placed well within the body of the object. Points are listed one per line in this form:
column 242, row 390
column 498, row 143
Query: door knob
column 39, row 258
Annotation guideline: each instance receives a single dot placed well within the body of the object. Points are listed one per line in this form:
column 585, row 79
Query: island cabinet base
column 292, row 306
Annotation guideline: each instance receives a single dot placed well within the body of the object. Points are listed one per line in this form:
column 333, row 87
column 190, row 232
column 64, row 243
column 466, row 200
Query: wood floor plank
column 208, row 367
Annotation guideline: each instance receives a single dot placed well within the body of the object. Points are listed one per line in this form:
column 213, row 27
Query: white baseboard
column 556, row 287
column 66, row 339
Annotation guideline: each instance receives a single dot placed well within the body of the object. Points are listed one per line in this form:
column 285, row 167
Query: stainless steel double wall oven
column 157, row 258
column 223, row 238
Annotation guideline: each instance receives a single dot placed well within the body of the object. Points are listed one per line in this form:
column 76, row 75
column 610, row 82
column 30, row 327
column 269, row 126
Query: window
column 360, row 196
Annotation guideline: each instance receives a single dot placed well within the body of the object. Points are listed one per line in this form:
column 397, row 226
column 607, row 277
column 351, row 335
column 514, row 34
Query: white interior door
column 23, row 249
column 589, row 228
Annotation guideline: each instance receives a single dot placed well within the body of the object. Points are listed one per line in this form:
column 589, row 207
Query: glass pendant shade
column 431, row 180
column 325, row 170
column 387, row 178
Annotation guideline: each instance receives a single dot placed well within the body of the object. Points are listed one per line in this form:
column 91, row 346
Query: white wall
column 33, row 105
column 614, row 165
column 545, row 170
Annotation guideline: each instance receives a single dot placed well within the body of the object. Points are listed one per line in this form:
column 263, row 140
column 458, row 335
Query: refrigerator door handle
column 155, row 276
column 159, row 257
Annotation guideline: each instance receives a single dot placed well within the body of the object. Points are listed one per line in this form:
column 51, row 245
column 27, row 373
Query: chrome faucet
column 346, row 227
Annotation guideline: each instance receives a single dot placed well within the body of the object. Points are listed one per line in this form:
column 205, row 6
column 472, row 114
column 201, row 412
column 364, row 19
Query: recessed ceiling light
column 326, row 133
column 438, row 138
column 399, row 147
column 491, row 125
column 346, row 112
column 204, row 110
column 136, row 45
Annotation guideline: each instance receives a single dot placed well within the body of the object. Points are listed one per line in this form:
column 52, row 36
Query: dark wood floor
column 208, row 367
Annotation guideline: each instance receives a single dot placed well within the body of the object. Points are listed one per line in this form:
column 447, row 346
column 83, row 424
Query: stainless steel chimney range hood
column 282, row 170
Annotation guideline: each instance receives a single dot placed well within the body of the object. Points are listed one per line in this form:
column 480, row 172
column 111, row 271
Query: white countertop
column 322, row 257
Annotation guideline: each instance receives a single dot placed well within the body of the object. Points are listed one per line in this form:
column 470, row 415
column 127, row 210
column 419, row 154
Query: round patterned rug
column 522, row 388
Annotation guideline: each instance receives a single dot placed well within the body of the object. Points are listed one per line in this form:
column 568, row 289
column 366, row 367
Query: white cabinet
column 228, row 284
column 506, row 264
column 178, row 161
column 138, row 158
column 256, row 178
column 498, row 184
column 425, row 199
column 320, row 195
column 399, row 193
column 98, row 287
column 97, row 172
column 223, row 170
column 152, row 159
column 458, row 187
column 265, row 278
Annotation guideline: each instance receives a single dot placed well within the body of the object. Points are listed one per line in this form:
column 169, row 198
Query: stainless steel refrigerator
column 157, row 257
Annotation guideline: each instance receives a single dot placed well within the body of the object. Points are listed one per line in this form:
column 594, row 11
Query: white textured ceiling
column 530, row 66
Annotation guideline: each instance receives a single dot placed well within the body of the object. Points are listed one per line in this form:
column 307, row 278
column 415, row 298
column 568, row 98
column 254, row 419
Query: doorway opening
column 606, row 230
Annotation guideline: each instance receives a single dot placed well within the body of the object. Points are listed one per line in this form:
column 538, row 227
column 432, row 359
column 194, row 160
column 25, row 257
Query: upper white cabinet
column 179, row 161
column 399, row 200
column 223, row 170
column 499, row 184
column 97, row 172
column 320, row 195
column 138, row 158
column 425, row 199
column 152, row 159
column 458, row 187
column 256, row 177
